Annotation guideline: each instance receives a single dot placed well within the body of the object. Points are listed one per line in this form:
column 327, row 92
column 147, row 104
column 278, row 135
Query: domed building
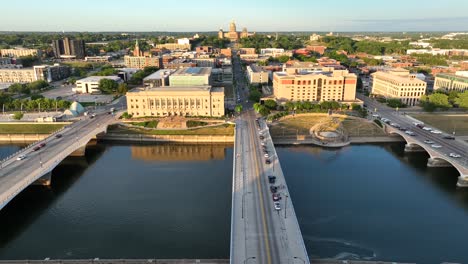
column 233, row 35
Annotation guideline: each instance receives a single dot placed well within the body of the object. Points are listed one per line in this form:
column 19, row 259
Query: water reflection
column 179, row 152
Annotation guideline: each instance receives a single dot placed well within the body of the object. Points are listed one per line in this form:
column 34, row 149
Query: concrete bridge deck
column 16, row 175
column 173, row 261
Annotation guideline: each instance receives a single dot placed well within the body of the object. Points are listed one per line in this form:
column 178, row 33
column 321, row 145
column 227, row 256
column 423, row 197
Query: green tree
column 283, row 59
column 462, row 100
column 439, row 100
column 122, row 88
column 15, row 88
column 238, row 108
column 356, row 107
column 107, row 86
column 271, row 104
column 262, row 110
column 18, row 115
column 37, row 85
column 255, row 95
column 394, row 103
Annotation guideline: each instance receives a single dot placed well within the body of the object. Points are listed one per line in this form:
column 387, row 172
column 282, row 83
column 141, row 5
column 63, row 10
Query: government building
column 398, row 84
column 326, row 84
column 189, row 94
column 451, row 82
column 233, row 35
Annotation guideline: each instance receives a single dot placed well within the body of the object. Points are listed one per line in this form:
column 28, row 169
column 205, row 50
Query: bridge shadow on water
column 26, row 207
column 444, row 178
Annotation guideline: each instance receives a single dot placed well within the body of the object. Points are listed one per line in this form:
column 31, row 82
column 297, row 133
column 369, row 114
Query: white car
column 266, row 155
column 436, row 132
column 427, row 128
column 417, row 123
column 454, row 155
column 277, row 206
column 21, row 157
column 436, row 146
column 375, row 115
column 427, row 141
column 411, row 133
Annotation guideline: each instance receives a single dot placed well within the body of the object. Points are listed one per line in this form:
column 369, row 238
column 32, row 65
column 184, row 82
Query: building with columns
column 233, row 35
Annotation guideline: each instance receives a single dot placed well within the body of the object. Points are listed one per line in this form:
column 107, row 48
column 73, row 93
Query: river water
column 173, row 201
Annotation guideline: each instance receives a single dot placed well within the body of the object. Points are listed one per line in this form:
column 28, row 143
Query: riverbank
column 30, row 127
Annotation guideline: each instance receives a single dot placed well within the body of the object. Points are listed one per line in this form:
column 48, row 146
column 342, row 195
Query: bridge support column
column 462, row 181
column 413, row 148
column 435, row 162
column 44, row 180
column 80, row 152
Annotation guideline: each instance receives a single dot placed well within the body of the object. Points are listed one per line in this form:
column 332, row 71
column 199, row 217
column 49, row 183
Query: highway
column 15, row 175
column 447, row 146
column 261, row 233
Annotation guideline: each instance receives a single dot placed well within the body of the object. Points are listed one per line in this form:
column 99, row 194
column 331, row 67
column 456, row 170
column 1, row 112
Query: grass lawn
column 446, row 123
column 225, row 129
column 29, row 128
column 148, row 124
column 301, row 125
column 191, row 123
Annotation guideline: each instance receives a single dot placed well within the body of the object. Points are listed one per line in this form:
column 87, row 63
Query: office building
column 204, row 49
column 176, row 101
column 317, row 85
column 194, row 76
column 400, row 84
column 16, row 53
column 256, row 74
column 91, row 84
column 69, row 48
column 174, row 46
column 158, row 79
column 451, row 82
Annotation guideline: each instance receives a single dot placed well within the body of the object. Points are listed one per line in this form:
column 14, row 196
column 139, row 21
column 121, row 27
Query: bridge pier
column 462, row 181
column 435, row 162
column 45, row 180
column 79, row 152
column 413, row 148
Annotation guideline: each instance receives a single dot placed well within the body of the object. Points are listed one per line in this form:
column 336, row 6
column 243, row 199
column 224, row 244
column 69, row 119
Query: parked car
column 267, row 161
column 21, row 157
column 449, row 137
column 427, row 128
column 273, row 189
column 36, row 148
column 271, row 179
column 276, row 197
column 277, row 206
column 42, row 145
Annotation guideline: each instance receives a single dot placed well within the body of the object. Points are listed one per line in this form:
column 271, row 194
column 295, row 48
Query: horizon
column 260, row 16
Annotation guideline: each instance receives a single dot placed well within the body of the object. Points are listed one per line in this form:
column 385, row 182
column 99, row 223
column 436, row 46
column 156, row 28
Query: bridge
column 36, row 167
column 438, row 156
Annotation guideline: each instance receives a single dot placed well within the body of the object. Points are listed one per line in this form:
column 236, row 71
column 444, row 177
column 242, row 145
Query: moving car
column 273, row 189
column 266, row 155
column 436, row 132
column 21, row 157
column 427, row 141
column 42, row 145
column 276, row 197
column 36, row 148
column 58, row 136
column 436, row 146
column 454, row 155
column 267, row 161
column 411, row 133
column 271, row 179
column 277, row 206
column 449, row 137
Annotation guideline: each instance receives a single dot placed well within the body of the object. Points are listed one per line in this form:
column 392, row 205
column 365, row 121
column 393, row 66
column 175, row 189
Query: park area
column 446, row 123
column 301, row 124
column 29, row 128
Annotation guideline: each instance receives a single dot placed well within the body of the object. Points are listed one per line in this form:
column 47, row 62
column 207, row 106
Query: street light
column 245, row 261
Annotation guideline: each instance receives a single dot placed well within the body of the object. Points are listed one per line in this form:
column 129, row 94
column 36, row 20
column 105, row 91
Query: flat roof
column 194, row 88
column 453, row 77
column 163, row 73
column 304, row 73
column 256, row 68
column 193, row 71
column 98, row 78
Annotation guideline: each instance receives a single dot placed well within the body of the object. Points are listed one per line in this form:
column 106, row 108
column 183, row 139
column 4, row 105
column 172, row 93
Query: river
column 173, row 201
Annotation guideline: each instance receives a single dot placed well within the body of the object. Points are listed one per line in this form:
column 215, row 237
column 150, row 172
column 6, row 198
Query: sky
column 255, row 15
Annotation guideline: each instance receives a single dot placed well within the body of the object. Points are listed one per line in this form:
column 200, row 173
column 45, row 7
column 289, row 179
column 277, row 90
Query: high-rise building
column 315, row 86
column 400, row 84
column 69, row 48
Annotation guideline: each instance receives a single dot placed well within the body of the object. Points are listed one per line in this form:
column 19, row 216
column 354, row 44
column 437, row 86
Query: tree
column 462, row 100
column 238, row 108
column 394, row 103
column 262, row 110
column 356, row 107
column 107, row 86
column 255, row 95
column 18, row 115
column 271, row 104
column 122, row 88
column 37, row 85
column 439, row 100
column 15, row 88
column 126, row 115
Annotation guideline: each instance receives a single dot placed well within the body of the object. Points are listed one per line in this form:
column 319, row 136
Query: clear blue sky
column 256, row 15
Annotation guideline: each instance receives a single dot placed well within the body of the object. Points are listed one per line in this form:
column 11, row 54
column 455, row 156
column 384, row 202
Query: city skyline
column 256, row 16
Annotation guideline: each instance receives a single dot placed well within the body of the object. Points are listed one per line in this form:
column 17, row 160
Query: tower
column 136, row 51
column 232, row 27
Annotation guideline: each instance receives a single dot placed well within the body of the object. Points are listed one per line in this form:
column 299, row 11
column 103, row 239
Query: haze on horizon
column 210, row 15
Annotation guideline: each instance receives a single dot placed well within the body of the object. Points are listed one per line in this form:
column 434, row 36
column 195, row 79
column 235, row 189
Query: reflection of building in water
column 173, row 152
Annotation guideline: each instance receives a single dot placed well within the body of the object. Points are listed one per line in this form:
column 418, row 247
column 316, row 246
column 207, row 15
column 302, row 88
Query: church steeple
column 136, row 51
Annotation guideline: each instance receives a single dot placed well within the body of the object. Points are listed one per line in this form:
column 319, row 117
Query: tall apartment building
column 326, row 85
column 19, row 52
column 256, row 74
column 451, row 82
column 399, row 84
column 69, row 48
column 141, row 62
column 26, row 75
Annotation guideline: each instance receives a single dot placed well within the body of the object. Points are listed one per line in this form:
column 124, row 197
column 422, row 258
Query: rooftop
column 256, row 68
column 193, row 71
column 173, row 88
column 163, row 73
column 98, row 78
column 453, row 77
column 398, row 78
